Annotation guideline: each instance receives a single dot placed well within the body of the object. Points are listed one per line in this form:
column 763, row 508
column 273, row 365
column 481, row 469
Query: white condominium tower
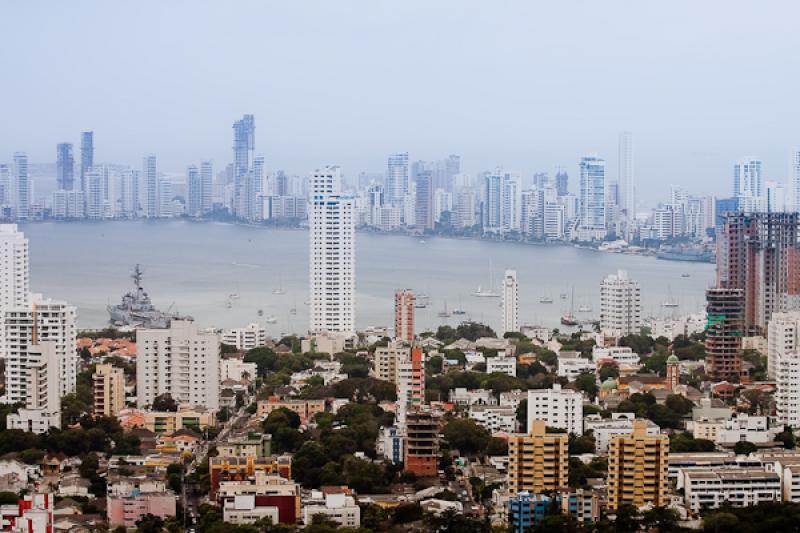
column 397, row 178
column 180, row 361
column 40, row 322
column 510, row 302
column 626, row 180
column 14, row 278
column 794, row 179
column 620, row 305
column 592, row 214
column 331, row 254
column 748, row 184
column 562, row 409
column 783, row 365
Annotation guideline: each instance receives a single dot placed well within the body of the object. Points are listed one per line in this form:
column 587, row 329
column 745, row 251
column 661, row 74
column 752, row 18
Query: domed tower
column 673, row 372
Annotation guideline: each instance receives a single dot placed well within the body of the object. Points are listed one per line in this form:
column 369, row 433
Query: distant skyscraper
column 453, row 166
column 423, row 205
column 96, row 181
column 592, row 223
column 281, row 184
column 206, row 186
column 244, row 145
column 562, row 183
column 331, row 254
column 87, row 155
column 404, row 315
column 748, row 184
column 397, row 178
column 5, row 185
column 502, row 199
column 626, row 179
column 510, row 303
column 620, row 305
column 150, row 192
column 129, row 197
column 194, row 192
column 22, row 200
column 794, row 179
column 65, row 167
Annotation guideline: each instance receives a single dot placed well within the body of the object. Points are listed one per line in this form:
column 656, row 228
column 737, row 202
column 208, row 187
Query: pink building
column 126, row 510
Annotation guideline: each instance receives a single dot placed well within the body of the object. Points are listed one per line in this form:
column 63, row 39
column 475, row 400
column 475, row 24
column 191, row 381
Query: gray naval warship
column 136, row 309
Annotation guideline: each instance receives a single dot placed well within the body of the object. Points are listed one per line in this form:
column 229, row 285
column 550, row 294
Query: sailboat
column 444, row 313
column 279, row 290
column 670, row 301
column 488, row 293
column 545, row 300
column 570, row 319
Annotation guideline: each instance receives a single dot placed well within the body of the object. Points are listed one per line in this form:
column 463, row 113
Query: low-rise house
column 438, row 507
column 462, row 396
column 125, row 511
column 474, row 358
column 260, row 496
column 338, row 507
column 494, row 419
column 72, row 485
column 120, row 485
column 239, row 469
column 186, row 417
column 306, row 409
column 754, row 429
column 571, row 365
column 604, row 429
column 502, row 365
column 250, row 445
column 183, row 441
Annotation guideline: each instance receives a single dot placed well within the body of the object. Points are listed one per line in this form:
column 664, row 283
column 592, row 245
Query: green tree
column 165, row 402
column 587, row 382
column 466, row 436
column 744, row 448
column 149, row 524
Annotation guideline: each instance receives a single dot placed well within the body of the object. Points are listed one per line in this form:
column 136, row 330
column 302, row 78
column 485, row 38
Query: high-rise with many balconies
column 637, row 468
column 331, row 254
column 620, row 305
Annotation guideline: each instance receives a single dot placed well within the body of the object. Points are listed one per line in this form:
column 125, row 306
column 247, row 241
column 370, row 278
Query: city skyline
column 701, row 120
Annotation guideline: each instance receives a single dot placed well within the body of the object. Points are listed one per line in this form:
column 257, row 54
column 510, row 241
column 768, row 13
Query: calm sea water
column 193, row 267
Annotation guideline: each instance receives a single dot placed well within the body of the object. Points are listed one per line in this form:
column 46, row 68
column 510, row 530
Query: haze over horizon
column 521, row 85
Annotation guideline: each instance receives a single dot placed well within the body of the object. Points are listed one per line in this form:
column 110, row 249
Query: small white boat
column 481, row 293
column 293, row 311
column 669, row 304
column 563, row 295
column 278, row 291
column 585, row 309
column 234, row 296
column 271, row 319
column 229, row 304
column 444, row 313
column 685, row 275
column 459, row 311
column 545, row 300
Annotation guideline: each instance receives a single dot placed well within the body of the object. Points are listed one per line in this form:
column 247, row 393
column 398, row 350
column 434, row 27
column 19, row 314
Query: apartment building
column 537, row 461
column 637, row 468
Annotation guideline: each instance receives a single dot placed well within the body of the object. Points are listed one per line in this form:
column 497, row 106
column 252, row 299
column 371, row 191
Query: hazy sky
column 524, row 84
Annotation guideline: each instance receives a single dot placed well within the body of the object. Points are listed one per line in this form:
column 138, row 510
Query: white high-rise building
column 206, row 186
column 180, row 361
column 562, row 409
column 510, row 302
column 194, row 192
column 783, row 365
column 41, row 321
column 251, row 336
column 14, row 270
column 150, row 190
column 626, row 180
column 775, row 198
column 748, row 184
column 21, row 186
column 502, row 201
column 783, row 337
column 592, row 214
column 42, row 381
column 620, row 305
column 397, row 178
column 96, row 193
column 793, row 202
column 331, row 253
column 129, row 197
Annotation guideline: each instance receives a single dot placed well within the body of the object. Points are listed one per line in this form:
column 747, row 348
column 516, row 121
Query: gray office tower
column 65, row 167
column 87, row 155
column 244, row 144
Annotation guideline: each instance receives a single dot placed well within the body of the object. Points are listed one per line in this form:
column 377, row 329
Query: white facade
column 605, row 429
column 14, row 270
column 251, row 336
column 510, row 303
column 340, row 508
column 495, row 418
column 42, row 321
column 793, row 201
column 43, row 382
column 592, row 215
column 180, row 361
column 571, row 365
column 738, row 488
column 501, row 365
column 783, row 336
column 748, row 428
column 626, row 181
column 622, row 355
column 462, row 396
column 331, row 254
column 558, row 408
column 237, row 370
column 620, row 305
